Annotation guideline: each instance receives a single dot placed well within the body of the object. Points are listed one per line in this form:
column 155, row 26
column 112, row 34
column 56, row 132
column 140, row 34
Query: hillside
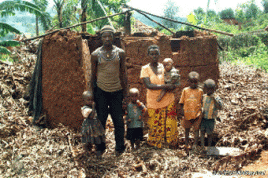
column 24, row 22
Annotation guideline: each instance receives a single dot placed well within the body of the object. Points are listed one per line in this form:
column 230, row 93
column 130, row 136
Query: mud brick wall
column 192, row 54
column 63, row 78
column 66, row 67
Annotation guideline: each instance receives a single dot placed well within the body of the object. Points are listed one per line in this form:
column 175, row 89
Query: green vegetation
column 8, row 8
column 265, row 6
column 227, row 14
column 6, row 58
column 170, row 11
column 68, row 13
column 250, row 42
column 248, row 49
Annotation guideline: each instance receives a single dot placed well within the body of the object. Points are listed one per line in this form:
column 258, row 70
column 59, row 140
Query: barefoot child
column 134, row 118
column 211, row 105
column 191, row 103
column 92, row 130
column 171, row 76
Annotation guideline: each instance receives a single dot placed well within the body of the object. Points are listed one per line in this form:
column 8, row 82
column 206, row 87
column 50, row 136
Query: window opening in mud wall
column 175, row 45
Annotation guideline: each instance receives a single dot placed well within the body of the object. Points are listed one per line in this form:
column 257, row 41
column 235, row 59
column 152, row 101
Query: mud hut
column 66, row 66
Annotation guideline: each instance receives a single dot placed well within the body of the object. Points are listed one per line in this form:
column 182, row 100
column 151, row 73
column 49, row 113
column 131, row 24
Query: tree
column 170, row 11
column 35, row 8
column 8, row 8
column 68, row 13
column 247, row 11
column 227, row 14
column 59, row 6
column 251, row 10
column 106, row 7
column 45, row 19
column 206, row 16
column 191, row 18
column 265, row 6
column 239, row 15
column 84, row 14
column 211, row 13
column 199, row 15
column 4, row 30
column 203, row 17
column 212, row 16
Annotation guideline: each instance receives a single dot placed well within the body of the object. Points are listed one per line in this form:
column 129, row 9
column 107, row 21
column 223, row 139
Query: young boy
column 134, row 118
column 92, row 130
column 191, row 103
column 211, row 105
column 171, row 76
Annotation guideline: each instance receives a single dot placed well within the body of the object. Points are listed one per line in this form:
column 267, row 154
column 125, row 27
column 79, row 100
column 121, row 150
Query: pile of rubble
column 13, row 85
column 244, row 90
column 28, row 151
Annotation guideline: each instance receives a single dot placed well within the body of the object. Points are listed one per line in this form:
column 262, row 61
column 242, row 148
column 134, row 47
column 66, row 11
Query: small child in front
column 135, row 110
column 191, row 108
column 171, row 76
column 92, row 130
column 211, row 105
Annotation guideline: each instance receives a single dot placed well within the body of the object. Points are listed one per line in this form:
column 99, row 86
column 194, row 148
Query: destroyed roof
column 139, row 27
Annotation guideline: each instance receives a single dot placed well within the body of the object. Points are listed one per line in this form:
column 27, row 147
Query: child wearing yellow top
column 191, row 107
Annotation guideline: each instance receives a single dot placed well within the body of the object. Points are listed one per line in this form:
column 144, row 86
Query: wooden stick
column 101, row 18
column 185, row 23
column 127, row 24
column 155, row 22
column 70, row 145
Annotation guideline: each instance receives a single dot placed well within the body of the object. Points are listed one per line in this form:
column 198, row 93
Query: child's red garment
column 92, row 130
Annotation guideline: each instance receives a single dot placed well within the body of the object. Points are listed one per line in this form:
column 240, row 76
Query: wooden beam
column 185, row 23
column 101, row 18
column 104, row 11
column 127, row 23
column 156, row 22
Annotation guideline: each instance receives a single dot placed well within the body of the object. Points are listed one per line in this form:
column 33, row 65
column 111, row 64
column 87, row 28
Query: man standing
column 109, row 84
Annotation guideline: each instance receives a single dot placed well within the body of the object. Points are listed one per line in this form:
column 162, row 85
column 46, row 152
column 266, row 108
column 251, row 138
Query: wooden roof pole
column 185, row 23
column 101, row 18
column 127, row 23
column 155, row 22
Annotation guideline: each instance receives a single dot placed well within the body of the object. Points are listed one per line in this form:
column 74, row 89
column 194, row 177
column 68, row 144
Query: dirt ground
column 30, row 151
column 260, row 164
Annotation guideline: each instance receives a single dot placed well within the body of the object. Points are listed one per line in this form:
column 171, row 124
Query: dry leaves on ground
column 28, row 151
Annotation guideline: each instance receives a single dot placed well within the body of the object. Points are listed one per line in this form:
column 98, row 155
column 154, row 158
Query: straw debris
column 28, row 151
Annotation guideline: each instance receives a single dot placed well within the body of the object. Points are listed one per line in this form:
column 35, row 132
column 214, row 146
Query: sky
column 187, row 6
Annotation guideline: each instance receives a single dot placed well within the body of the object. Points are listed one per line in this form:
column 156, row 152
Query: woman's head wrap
column 153, row 47
column 107, row 28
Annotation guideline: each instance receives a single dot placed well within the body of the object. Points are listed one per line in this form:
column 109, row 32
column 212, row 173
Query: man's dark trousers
column 104, row 99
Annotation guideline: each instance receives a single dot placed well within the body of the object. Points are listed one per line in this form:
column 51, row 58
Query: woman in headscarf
column 162, row 119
